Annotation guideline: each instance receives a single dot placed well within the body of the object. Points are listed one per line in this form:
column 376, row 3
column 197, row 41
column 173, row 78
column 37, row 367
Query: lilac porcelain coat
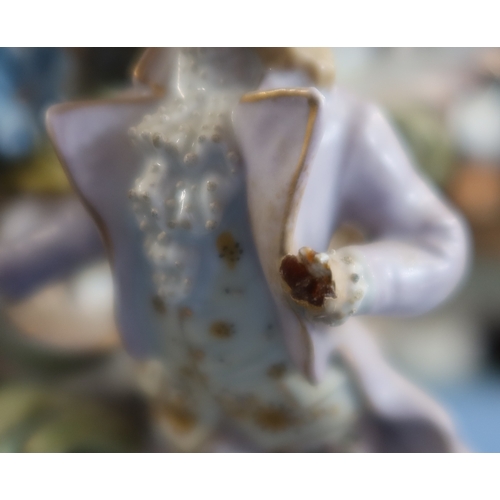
column 315, row 159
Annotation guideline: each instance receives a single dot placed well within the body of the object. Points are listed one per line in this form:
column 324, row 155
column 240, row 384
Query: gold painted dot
column 159, row 305
column 221, row 330
column 277, row 370
column 229, row 249
column 178, row 415
column 185, row 312
column 274, row 418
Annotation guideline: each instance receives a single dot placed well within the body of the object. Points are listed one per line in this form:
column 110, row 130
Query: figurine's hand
column 322, row 286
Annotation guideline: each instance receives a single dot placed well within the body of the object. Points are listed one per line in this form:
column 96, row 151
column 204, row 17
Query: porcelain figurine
column 217, row 182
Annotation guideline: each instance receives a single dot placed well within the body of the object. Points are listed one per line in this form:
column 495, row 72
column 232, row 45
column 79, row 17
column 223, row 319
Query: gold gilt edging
column 62, row 108
column 285, row 235
column 312, row 101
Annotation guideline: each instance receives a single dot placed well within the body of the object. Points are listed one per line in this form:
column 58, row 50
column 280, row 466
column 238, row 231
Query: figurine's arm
column 58, row 247
column 418, row 246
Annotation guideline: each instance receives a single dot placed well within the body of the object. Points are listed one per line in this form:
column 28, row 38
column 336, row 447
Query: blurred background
column 65, row 382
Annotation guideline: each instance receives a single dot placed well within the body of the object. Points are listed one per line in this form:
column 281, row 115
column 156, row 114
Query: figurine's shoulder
column 361, row 120
column 341, row 104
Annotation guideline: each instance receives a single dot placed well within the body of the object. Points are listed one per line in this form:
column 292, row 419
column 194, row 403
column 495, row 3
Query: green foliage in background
column 42, row 419
column 428, row 139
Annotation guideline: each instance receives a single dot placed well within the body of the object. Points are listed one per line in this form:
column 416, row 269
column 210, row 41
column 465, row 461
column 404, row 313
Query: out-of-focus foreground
column 65, row 382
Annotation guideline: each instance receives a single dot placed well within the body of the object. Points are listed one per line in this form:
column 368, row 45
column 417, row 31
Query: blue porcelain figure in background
column 217, row 184
column 30, row 80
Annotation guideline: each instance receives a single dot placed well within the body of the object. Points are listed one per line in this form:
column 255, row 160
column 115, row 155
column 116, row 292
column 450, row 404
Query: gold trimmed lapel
column 92, row 143
column 278, row 131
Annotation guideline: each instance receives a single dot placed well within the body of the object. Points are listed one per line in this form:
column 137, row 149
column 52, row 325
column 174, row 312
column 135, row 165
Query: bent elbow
column 450, row 243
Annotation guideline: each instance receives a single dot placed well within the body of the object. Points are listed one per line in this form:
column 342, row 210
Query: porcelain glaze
column 203, row 181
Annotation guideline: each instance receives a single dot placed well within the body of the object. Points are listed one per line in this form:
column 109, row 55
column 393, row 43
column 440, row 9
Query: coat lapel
column 93, row 145
column 278, row 131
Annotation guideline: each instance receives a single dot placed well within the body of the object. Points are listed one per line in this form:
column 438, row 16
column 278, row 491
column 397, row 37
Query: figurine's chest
column 229, row 318
column 231, row 314
column 198, row 240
